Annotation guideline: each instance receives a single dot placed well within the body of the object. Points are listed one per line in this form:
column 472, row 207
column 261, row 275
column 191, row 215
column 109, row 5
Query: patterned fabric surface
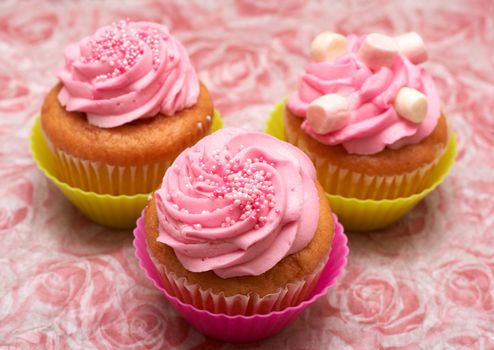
column 427, row 282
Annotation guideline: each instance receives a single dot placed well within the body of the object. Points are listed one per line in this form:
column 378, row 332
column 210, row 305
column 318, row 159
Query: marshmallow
column 411, row 104
column 412, row 47
column 378, row 50
column 328, row 113
column 327, row 46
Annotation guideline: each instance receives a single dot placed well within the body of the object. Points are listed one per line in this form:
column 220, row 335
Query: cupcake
column 128, row 102
column 240, row 225
column 368, row 116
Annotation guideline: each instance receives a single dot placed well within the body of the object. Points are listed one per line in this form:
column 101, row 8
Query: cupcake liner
column 240, row 328
column 250, row 304
column 103, row 178
column 347, row 183
column 358, row 214
column 99, row 177
column 109, row 210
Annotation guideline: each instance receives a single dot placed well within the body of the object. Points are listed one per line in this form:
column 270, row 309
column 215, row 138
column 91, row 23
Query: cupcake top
column 237, row 203
column 366, row 93
column 127, row 71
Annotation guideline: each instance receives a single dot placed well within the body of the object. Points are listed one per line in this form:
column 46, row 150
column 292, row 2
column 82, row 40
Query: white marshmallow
column 412, row 47
column 411, row 104
column 378, row 50
column 328, row 113
column 327, row 46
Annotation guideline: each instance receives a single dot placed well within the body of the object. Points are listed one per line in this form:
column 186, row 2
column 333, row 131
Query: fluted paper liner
column 109, row 179
column 246, row 305
column 117, row 211
column 357, row 214
column 242, row 328
column 347, row 183
column 99, row 177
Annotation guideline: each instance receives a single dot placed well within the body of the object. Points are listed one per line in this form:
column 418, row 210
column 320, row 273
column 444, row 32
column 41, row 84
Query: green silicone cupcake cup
column 112, row 211
column 368, row 214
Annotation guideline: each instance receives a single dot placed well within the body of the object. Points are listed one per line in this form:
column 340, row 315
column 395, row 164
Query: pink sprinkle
column 246, row 187
column 121, row 47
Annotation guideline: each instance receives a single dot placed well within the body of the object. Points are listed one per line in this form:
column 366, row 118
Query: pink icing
column 374, row 123
column 127, row 71
column 237, row 203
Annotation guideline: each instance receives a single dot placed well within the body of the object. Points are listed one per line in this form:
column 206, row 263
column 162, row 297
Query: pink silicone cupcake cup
column 241, row 328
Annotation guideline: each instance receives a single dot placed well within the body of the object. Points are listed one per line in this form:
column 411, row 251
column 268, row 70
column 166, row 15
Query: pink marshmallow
column 378, row 50
column 412, row 47
column 328, row 113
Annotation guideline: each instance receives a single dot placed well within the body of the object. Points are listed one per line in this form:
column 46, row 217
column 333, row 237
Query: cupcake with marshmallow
column 368, row 115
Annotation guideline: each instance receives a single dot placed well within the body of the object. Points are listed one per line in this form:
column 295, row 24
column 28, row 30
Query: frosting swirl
column 127, row 71
column 237, row 203
column 373, row 123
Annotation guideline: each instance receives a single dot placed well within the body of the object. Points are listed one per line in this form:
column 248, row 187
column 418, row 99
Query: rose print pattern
column 426, row 282
column 381, row 302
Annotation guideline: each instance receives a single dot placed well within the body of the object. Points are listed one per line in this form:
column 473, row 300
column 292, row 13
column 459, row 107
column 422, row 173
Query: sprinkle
column 121, row 46
column 247, row 187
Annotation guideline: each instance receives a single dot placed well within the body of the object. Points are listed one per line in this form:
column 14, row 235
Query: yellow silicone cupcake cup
column 113, row 211
column 368, row 214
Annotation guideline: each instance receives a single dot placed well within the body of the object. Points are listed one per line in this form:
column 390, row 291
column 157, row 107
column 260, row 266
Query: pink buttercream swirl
column 127, row 71
column 237, row 203
column 373, row 124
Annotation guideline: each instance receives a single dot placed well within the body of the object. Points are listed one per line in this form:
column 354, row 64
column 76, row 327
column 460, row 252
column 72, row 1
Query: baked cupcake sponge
column 127, row 159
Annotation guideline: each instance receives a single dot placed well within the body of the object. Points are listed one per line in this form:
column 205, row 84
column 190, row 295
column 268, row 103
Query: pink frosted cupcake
column 128, row 102
column 368, row 116
column 239, row 225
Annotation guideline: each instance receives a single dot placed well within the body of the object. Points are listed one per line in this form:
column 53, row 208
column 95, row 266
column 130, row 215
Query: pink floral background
column 427, row 282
